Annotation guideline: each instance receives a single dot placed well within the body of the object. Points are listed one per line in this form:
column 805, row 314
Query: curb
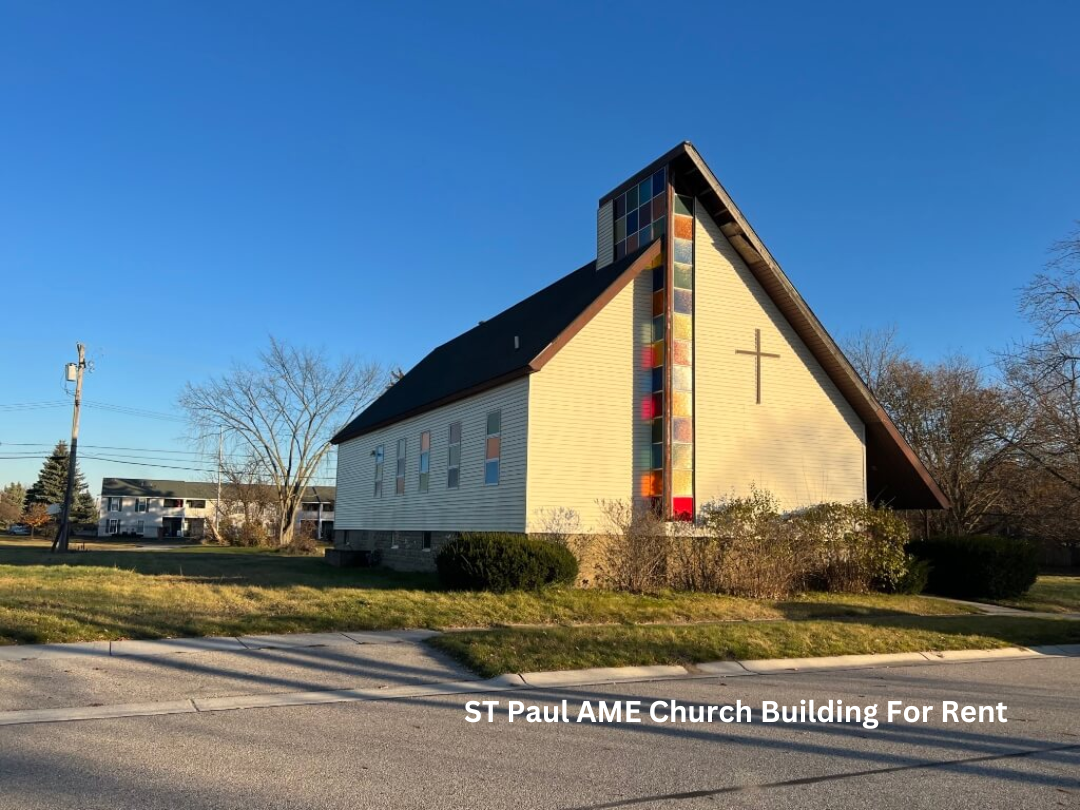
column 534, row 680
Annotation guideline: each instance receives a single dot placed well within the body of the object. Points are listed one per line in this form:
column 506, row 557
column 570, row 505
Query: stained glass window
column 681, row 358
column 379, row 454
column 640, row 212
column 425, row 459
column 399, row 472
column 453, row 457
column 492, row 448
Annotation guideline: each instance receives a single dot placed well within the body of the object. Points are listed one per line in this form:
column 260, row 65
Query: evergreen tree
column 12, row 500
column 52, row 480
column 85, row 509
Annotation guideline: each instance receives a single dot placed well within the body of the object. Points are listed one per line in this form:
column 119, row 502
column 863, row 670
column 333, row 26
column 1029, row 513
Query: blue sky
column 180, row 179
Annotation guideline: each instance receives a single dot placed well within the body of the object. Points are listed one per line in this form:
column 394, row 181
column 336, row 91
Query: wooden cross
column 757, row 353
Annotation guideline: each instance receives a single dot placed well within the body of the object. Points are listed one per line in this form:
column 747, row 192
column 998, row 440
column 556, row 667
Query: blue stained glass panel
column 644, row 236
column 684, row 301
column 658, row 456
column 658, row 279
column 658, row 379
column 658, row 183
column 644, row 214
column 644, row 191
column 631, row 221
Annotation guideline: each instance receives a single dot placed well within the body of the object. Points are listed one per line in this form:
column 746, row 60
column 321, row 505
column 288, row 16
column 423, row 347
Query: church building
column 679, row 367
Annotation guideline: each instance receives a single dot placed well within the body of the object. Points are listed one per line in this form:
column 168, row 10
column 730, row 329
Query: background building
column 179, row 509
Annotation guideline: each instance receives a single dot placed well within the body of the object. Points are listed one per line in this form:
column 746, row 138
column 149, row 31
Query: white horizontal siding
column 605, row 235
column 583, row 416
column 473, row 506
column 804, row 442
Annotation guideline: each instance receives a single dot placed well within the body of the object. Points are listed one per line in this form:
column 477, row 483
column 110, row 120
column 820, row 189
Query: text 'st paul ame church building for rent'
column 678, row 367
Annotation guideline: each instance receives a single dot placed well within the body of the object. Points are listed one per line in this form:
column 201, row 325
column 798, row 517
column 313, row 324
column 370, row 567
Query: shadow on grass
column 236, row 567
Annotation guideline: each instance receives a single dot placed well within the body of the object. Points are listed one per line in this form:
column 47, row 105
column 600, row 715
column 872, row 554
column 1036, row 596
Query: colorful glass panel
column 682, row 327
column 682, row 403
column 682, row 430
column 684, row 302
column 637, row 212
column 681, row 352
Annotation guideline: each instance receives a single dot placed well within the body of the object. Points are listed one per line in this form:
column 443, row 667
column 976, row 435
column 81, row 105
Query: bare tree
column 247, row 491
column 950, row 414
column 282, row 412
column 1043, row 373
column 875, row 353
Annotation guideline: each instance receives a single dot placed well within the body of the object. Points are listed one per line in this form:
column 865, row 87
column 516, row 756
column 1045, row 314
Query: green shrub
column 978, row 566
column 504, row 562
column 914, row 580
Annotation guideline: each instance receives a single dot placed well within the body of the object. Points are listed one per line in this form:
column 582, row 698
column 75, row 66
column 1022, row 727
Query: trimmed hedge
column 504, row 562
column 978, row 565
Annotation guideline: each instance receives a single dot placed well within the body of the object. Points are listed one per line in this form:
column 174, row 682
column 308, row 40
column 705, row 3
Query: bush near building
column 504, row 562
column 979, row 566
column 745, row 546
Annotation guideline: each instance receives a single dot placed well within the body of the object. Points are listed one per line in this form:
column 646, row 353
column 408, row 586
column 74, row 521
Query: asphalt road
column 421, row 753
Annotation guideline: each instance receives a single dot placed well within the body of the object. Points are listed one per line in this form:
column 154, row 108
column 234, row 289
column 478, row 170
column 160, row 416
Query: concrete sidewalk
column 172, row 646
column 533, row 680
column 65, row 676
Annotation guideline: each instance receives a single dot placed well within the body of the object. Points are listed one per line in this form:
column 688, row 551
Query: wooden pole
column 62, row 537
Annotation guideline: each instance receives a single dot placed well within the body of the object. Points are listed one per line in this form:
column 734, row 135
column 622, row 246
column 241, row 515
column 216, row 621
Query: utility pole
column 217, row 503
column 61, row 542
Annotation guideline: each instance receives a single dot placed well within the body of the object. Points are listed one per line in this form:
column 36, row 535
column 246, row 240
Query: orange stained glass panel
column 652, row 483
column 658, row 303
column 682, row 483
column 684, row 227
column 682, row 403
column 658, row 353
column 493, row 447
column 682, row 326
column 682, row 353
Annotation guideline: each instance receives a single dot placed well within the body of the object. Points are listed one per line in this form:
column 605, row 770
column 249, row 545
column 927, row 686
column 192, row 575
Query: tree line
column 1002, row 441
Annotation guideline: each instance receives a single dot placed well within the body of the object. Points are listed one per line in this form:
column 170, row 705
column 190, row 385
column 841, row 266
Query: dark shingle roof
column 486, row 356
column 157, row 488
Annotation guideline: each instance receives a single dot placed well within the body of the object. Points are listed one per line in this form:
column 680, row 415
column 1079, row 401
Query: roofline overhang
column 536, row 363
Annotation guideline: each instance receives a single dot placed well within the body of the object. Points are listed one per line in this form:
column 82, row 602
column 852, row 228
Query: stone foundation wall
column 400, row 550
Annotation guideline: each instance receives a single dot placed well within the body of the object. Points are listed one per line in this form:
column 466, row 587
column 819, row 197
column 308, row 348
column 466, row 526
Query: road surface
column 421, row 752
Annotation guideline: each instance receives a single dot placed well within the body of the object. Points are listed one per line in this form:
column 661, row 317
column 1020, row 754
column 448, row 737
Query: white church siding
column 804, row 442
column 474, row 506
column 582, row 410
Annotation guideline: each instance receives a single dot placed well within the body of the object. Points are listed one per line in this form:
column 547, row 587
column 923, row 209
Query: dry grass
column 495, row 652
column 123, row 593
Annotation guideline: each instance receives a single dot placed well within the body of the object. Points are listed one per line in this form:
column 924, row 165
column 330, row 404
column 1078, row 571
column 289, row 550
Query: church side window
column 425, row 459
column 379, row 454
column 453, row 459
column 399, row 472
column 493, row 448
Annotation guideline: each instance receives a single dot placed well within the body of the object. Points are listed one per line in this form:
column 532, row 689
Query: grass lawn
column 1050, row 595
column 495, row 652
column 116, row 591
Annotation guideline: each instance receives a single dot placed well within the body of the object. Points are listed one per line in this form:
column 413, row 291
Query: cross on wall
column 757, row 354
